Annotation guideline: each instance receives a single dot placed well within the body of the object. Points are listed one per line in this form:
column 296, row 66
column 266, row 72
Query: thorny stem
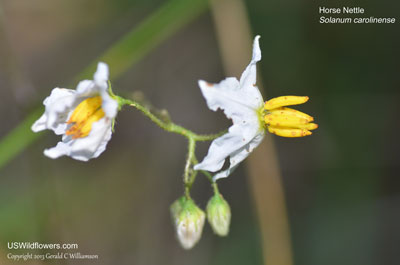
column 189, row 175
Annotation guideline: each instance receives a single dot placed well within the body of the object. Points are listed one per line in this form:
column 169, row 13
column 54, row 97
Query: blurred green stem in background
column 19, row 138
column 132, row 47
column 234, row 37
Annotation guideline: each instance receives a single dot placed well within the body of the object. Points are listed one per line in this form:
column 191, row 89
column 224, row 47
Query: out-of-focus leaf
column 19, row 138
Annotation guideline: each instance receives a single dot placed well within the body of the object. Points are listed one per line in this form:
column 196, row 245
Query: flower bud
column 188, row 220
column 219, row 215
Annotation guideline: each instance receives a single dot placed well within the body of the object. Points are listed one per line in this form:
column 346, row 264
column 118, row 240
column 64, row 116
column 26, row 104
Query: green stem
column 214, row 184
column 215, row 188
column 168, row 125
column 186, row 179
column 189, row 175
column 194, row 172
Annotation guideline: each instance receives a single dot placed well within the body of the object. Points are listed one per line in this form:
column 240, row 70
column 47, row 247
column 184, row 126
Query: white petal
column 237, row 105
column 249, row 76
column 224, row 173
column 228, row 96
column 95, row 143
column 241, row 102
column 219, row 150
column 104, row 129
column 86, row 88
column 84, row 148
column 40, row 124
column 231, row 144
column 61, row 149
column 240, row 155
column 101, row 74
column 58, row 94
column 109, row 105
column 57, row 108
column 248, row 79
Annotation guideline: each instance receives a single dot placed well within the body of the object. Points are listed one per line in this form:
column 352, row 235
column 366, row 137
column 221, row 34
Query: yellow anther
column 87, row 126
column 284, row 101
column 83, row 117
column 289, row 111
column 287, row 122
column 308, row 126
column 85, row 109
column 284, row 120
column 288, row 132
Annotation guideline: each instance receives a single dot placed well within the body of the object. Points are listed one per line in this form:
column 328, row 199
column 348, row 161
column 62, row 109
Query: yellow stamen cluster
column 83, row 117
column 287, row 122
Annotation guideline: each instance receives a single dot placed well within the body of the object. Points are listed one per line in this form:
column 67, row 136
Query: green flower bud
column 219, row 215
column 189, row 221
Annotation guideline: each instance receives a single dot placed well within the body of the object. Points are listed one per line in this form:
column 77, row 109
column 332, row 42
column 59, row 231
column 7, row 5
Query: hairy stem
column 189, row 175
column 186, row 176
column 168, row 125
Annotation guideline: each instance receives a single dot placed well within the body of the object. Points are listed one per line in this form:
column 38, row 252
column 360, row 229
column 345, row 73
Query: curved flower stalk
column 83, row 117
column 242, row 102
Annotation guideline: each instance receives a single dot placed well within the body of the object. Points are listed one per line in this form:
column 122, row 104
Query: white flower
column 241, row 102
column 83, row 117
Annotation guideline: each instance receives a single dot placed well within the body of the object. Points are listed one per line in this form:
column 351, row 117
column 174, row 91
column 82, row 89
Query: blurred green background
column 341, row 185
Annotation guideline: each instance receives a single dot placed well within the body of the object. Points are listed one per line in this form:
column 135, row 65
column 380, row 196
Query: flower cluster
column 85, row 118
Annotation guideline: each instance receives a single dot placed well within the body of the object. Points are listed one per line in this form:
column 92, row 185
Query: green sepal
column 219, row 215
